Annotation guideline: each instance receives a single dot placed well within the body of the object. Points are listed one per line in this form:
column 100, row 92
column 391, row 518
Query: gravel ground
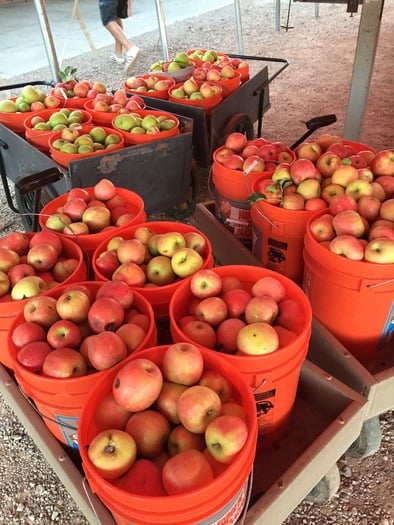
column 31, row 491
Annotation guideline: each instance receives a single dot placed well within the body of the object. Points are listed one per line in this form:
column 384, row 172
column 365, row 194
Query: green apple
column 125, row 122
column 59, row 127
column 58, row 143
column 138, row 130
column 167, row 124
column 98, row 134
column 22, row 105
column 174, row 66
column 42, row 126
column 148, row 121
column 196, row 96
column 30, row 94
column 84, row 148
column 111, row 138
column 8, row 106
column 178, row 93
column 68, row 147
column 58, row 118
column 75, row 116
column 182, row 59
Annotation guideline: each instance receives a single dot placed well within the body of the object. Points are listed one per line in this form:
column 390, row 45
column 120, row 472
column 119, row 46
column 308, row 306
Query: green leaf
column 256, row 197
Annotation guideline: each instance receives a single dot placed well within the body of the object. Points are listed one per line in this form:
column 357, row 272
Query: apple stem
column 109, row 448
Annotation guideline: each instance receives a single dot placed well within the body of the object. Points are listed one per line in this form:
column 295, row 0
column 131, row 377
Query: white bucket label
column 68, row 426
column 236, row 216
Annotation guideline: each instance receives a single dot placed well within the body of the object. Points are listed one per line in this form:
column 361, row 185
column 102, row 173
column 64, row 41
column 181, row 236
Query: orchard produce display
column 179, row 68
column 30, row 100
column 81, row 328
column 199, row 93
column 229, row 316
column 89, row 211
column 153, row 85
column 146, row 125
column 211, row 436
column 33, row 263
column 152, row 254
column 68, row 145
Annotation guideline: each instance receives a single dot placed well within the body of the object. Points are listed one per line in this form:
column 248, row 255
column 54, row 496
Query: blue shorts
column 111, row 10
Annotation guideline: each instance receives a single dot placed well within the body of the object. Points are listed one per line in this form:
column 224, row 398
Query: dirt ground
column 320, row 52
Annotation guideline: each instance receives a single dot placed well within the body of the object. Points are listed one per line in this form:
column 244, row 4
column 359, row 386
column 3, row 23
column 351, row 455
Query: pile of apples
column 257, row 155
column 324, row 170
column 214, row 72
column 119, row 102
column 81, row 331
column 32, row 264
column 79, row 141
column 148, row 83
column 149, row 258
column 167, row 429
column 180, row 61
column 72, row 88
column 88, row 212
column 29, row 100
column 195, row 90
column 225, row 315
column 64, row 118
column 150, row 123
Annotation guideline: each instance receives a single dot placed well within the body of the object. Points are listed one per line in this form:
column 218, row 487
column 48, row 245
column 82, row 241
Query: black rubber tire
column 369, row 440
column 240, row 123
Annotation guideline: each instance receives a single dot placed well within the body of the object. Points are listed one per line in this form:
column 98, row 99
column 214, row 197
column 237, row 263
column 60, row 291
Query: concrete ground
column 23, row 47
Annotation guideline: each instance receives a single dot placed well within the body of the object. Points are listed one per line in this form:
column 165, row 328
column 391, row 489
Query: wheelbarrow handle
column 312, row 125
column 32, row 83
column 36, row 181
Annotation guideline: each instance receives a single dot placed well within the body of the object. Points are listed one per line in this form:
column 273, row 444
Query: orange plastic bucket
column 272, row 377
column 358, row 146
column 15, row 121
column 59, row 401
column 353, row 299
column 64, row 158
column 278, row 238
column 232, row 189
column 9, row 309
column 89, row 242
column 132, row 139
column 158, row 296
column 40, row 139
column 207, row 103
column 223, row 500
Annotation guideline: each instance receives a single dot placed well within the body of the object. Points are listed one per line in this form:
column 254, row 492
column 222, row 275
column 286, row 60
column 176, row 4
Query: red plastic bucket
column 353, row 299
column 272, row 377
column 221, row 501
column 232, row 189
column 59, row 401
column 9, row 309
column 158, row 296
column 89, row 242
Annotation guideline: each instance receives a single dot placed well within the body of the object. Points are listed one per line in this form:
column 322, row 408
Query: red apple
column 27, row 332
column 186, row 471
column 182, row 363
column 41, row 310
column 236, row 301
column 150, row 430
column 64, row 333
column 212, row 310
column 105, row 313
column 32, row 355
column 197, row 406
column 137, row 384
column 109, row 414
column 225, row 436
column 182, row 439
column 73, row 305
column 200, row 332
column 132, row 335
column 205, row 283
column 63, row 363
column 105, row 349
column 143, row 478
column 226, row 335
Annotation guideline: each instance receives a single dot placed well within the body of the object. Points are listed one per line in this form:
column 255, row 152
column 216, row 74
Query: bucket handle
column 87, row 490
column 31, row 403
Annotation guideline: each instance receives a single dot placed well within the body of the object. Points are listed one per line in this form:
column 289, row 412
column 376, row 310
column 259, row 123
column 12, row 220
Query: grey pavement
column 23, row 47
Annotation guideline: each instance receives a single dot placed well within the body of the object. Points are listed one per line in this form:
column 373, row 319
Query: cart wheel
column 368, row 442
column 240, row 123
column 327, row 487
column 187, row 208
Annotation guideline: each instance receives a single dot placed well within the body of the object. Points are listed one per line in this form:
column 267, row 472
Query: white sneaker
column 130, row 58
column 117, row 59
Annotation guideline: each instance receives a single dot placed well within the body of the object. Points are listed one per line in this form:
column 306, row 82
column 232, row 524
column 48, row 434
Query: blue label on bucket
column 388, row 330
column 68, row 426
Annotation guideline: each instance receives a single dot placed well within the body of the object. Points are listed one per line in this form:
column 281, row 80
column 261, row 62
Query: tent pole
column 47, row 37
